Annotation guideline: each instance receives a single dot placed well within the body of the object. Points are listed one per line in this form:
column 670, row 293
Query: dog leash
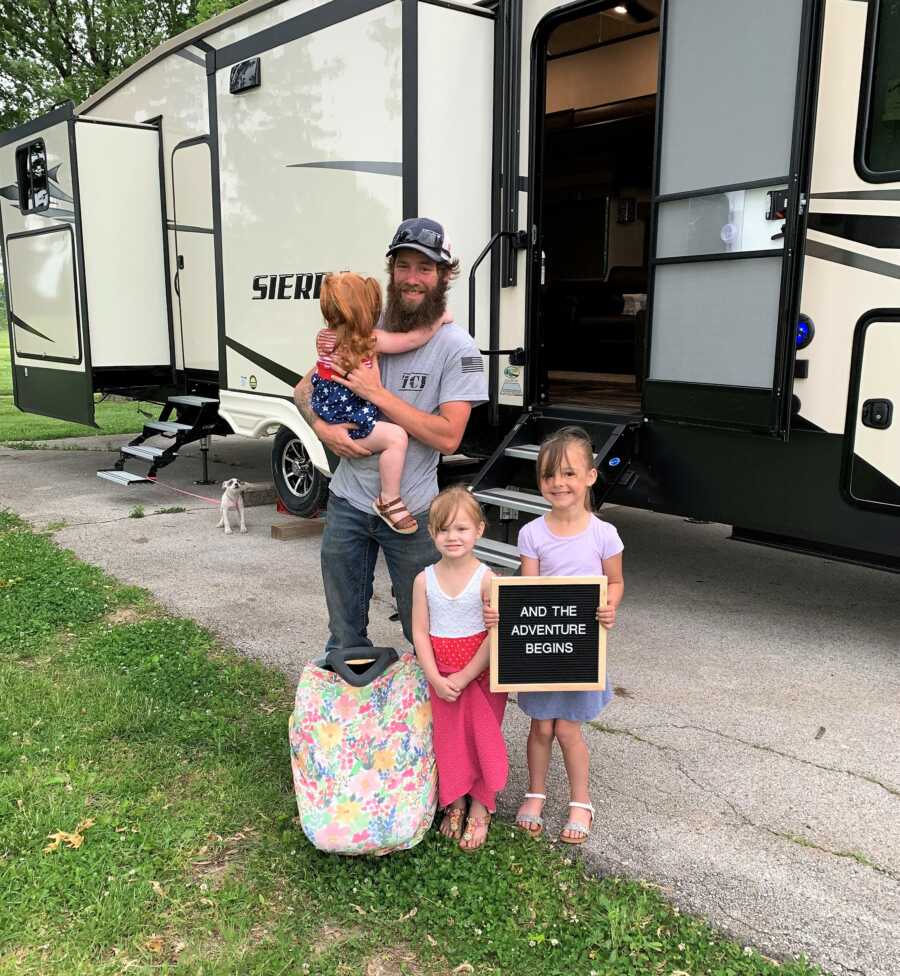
column 181, row 491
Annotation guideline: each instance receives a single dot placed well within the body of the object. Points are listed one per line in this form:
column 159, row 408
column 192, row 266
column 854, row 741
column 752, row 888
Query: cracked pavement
column 749, row 765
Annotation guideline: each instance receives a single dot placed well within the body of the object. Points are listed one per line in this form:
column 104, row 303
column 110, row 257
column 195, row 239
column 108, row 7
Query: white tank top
column 457, row 616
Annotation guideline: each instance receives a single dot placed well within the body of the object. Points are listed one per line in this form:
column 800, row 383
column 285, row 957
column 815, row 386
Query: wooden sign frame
column 503, row 581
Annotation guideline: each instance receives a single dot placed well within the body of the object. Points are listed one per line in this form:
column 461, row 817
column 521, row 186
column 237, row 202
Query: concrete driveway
column 750, row 764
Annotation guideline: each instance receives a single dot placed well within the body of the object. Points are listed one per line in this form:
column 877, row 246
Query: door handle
column 177, row 285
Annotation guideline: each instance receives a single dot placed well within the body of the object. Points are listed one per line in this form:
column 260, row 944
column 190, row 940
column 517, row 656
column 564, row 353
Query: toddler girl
column 351, row 305
column 451, row 645
column 568, row 541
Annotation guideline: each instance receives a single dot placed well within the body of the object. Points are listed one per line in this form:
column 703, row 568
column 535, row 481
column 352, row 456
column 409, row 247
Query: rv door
column 730, row 176
column 45, row 297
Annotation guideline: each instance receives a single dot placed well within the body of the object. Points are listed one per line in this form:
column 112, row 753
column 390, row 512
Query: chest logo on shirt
column 413, row 381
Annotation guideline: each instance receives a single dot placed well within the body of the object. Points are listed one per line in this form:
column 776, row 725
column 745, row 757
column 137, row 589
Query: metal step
column 145, row 453
column 520, row 501
column 528, row 452
column 123, row 477
column 497, row 553
column 190, row 401
column 167, row 426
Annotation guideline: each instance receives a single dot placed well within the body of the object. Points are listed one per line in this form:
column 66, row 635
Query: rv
column 678, row 222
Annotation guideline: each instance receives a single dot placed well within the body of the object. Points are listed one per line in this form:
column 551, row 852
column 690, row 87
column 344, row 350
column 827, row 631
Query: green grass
column 112, row 417
column 171, row 755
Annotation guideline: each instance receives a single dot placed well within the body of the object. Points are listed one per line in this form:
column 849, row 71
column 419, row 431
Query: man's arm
column 443, row 431
column 336, row 437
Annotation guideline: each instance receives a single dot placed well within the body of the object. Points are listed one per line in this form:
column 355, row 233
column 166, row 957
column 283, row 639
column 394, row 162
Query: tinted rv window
column 881, row 155
column 31, row 175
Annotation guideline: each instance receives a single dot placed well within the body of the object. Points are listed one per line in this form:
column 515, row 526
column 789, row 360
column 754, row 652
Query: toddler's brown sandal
column 473, row 824
column 406, row 525
column 453, row 817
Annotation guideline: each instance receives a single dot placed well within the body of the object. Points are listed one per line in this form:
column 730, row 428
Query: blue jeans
column 350, row 547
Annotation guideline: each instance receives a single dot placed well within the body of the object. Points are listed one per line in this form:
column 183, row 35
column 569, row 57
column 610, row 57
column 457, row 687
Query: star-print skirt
column 335, row 404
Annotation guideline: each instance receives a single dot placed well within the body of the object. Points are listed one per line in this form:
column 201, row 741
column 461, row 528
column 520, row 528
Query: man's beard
column 400, row 318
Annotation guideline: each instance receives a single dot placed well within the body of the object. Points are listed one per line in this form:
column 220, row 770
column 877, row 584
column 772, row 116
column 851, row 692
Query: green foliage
column 171, row 757
column 52, row 52
column 136, row 512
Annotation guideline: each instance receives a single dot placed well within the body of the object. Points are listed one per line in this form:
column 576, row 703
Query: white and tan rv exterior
column 201, row 196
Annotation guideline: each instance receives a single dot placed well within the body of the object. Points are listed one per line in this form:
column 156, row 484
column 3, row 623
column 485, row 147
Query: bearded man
column 430, row 393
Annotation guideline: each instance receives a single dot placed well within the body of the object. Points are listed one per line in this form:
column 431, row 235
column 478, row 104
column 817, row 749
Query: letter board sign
column 548, row 637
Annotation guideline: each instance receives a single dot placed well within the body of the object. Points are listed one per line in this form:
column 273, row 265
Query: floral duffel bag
column 361, row 753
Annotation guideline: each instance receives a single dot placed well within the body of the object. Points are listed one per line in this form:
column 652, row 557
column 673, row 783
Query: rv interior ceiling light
column 639, row 13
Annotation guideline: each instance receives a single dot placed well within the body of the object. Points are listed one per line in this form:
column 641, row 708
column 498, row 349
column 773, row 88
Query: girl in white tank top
column 451, row 644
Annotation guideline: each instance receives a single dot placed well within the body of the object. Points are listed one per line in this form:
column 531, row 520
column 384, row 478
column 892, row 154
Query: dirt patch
column 394, row 962
column 330, row 936
column 129, row 615
column 220, row 858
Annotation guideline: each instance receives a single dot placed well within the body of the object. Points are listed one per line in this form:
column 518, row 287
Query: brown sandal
column 406, row 525
column 472, row 824
column 453, row 818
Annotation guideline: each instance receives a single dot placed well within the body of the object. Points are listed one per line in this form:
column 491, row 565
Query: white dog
column 232, row 497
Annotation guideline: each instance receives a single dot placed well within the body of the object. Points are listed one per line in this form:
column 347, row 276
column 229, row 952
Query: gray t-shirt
column 447, row 368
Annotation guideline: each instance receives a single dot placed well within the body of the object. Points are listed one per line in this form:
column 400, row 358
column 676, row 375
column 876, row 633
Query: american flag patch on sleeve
column 472, row 364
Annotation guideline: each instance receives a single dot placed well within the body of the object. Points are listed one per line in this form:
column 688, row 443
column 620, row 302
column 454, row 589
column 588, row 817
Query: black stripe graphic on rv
column 58, row 195
column 355, row 166
column 851, row 259
column 25, row 327
column 872, row 229
column 472, row 364
column 269, row 365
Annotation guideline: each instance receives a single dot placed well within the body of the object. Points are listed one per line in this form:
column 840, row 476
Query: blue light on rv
column 805, row 332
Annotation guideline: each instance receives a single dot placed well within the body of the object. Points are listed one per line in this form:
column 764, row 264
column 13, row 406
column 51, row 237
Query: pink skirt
column 468, row 741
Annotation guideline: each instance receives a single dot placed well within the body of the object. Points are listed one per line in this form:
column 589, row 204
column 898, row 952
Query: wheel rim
column 297, row 469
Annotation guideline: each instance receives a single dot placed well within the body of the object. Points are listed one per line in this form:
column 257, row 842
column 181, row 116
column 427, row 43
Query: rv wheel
column 302, row 488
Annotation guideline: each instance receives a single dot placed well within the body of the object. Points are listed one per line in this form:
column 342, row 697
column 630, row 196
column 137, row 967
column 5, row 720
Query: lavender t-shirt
column 571, row 555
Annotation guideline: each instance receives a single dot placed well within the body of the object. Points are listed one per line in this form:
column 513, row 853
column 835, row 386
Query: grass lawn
column 147, row 825
column 113, row 417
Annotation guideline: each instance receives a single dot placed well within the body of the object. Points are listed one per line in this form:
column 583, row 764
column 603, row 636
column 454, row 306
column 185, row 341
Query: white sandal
column 577, row 828
column 524, row 820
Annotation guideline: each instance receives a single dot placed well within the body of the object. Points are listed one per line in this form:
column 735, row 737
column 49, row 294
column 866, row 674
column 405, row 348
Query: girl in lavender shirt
column 568, row 541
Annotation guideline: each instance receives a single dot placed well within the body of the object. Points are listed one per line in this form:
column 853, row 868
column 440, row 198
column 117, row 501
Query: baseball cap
column 424, row 235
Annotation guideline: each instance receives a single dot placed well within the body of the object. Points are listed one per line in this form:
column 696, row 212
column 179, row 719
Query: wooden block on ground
column 297, row 529
column 259, row 493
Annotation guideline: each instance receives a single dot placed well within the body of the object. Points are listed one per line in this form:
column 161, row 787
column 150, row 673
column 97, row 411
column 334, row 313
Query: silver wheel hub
column 297, row 469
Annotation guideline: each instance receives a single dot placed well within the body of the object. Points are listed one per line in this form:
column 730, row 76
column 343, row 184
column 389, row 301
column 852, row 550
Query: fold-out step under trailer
column 678, row 221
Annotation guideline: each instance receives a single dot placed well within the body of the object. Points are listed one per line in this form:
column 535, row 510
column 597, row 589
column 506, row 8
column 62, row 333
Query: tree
column 52, row 51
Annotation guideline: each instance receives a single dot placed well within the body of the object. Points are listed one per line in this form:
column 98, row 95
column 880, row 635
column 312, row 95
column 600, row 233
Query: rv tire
column 302, row 488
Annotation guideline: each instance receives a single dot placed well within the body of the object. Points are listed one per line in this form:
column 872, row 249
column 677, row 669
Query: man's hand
column 445, row 688
column 364, row 382
column 336, row 437
column 606, row 616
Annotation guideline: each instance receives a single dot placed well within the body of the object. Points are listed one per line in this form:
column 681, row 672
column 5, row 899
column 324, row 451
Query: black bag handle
column 381, row 659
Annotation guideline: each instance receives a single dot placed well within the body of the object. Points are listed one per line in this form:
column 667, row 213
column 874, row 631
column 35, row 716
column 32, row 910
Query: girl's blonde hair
column 553, row 451
column 448, row 503
column 351, row 305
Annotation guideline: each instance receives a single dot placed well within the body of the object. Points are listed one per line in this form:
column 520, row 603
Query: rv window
column 31, row 175
column 881, row 152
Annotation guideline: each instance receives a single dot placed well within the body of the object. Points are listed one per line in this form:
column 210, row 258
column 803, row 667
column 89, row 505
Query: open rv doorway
column 594, row 122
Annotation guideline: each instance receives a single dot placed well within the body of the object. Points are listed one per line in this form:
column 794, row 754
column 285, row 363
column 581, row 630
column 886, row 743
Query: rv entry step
column 507, row 481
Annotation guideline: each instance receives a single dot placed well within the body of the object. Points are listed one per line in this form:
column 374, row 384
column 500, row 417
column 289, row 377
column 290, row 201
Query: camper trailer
column 678, row 223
